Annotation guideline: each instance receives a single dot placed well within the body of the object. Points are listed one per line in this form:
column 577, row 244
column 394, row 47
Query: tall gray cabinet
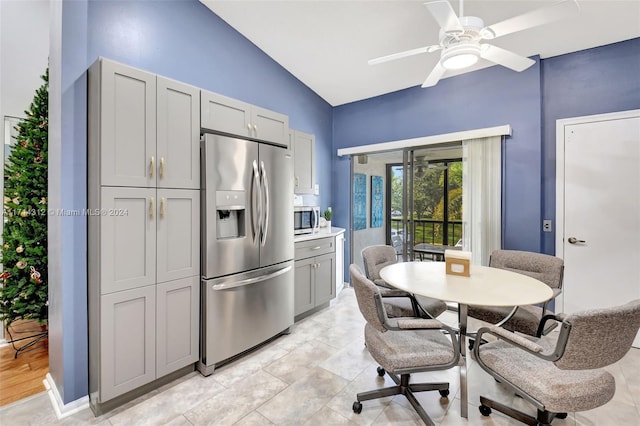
column 143, row 231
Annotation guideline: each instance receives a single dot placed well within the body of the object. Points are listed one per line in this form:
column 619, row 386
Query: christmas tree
column 23, row 281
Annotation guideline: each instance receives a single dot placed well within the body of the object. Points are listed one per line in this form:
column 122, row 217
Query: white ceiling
column 326, row 44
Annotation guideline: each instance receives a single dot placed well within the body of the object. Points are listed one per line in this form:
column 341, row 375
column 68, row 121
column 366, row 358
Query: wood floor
column 22, row 376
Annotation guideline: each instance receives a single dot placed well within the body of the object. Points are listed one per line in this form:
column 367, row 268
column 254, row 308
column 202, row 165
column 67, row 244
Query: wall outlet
column 546, row 225
column 316, row 189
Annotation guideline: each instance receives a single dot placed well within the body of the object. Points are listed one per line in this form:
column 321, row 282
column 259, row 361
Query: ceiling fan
column 460, row 37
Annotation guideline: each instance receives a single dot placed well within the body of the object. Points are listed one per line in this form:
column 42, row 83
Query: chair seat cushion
column 396, row 351
column 525, row 320
column 560, row 391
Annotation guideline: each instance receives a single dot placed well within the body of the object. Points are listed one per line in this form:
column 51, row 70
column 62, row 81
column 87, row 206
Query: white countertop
column 322, row 233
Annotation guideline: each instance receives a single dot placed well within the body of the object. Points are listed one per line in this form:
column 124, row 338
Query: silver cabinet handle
column 255, row 129
column 574, row 240
column 162, row 167
column 316, row 248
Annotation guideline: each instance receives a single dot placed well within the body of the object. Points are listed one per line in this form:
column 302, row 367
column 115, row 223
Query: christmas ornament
column 24, row 213
column 4, row 276
column 23, row 143
column 38, row 159
column 16, row 200
column 6, row 245
column 20, row 249
column 43, row 200
column 21, row 264
column 35, row 275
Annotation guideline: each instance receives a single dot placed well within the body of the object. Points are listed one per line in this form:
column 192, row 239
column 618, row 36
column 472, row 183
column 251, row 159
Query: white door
column 598, row 210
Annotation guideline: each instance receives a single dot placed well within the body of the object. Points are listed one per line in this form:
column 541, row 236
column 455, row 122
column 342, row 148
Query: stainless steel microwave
column 306, row 219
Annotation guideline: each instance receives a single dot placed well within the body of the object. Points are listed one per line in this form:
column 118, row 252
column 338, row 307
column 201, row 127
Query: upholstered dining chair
column 548, row 269
column 565, row 375
column 397, row 303
column 402, row 346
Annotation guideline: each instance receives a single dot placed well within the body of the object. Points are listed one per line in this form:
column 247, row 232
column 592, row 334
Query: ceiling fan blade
column 435, row 75
column 545, row 15
column 406, row 53
column 505, row 58
column 445, row 16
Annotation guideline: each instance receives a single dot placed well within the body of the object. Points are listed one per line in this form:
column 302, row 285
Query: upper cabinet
column 227, row 115
column 304, row 168
column 148, row 128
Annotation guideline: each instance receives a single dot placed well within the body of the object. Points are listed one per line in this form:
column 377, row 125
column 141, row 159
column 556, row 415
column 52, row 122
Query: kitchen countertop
column 322, row 233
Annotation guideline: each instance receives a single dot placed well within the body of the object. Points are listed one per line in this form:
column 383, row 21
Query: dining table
column 485, row 286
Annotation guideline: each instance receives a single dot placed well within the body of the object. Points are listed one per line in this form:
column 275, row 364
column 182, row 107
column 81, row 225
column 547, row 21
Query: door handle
column 574, row 240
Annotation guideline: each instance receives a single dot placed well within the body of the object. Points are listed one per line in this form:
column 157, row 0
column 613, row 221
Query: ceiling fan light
column 460, row 56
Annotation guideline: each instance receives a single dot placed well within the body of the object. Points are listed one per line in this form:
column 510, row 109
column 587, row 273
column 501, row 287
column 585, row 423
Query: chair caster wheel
column 561, row 415
column 357, row 407
column 381, row 371
column 484, row 410
column 444, row 393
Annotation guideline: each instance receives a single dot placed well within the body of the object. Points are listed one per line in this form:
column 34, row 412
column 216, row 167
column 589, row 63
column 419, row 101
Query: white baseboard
column 61, row 409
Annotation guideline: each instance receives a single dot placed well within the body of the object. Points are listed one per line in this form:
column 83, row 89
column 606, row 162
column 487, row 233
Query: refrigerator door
column 231, row 206
column 276, row 171
column 243, row 310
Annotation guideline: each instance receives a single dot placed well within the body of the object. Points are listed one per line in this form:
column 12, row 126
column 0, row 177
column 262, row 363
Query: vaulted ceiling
column 326, row 44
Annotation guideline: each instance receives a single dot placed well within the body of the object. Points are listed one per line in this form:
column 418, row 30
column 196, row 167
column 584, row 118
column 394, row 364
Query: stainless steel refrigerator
column 247, row 246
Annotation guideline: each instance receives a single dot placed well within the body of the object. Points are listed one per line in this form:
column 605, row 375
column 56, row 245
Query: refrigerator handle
column 256, row 227
column 224, row 286
column 265, row 187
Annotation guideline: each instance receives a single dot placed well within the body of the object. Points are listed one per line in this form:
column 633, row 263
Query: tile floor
column 310, row 377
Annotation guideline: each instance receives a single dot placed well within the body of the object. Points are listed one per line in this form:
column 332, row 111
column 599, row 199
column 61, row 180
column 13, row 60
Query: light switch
column 316, row 189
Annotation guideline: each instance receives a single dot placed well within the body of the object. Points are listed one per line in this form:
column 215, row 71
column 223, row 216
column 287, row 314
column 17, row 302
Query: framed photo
column 377, row 201
column 359, row 201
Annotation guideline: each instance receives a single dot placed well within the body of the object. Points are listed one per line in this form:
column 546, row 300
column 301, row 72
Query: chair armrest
column 394, row 293
column 511, row 338
column 418, row 324
column 541, row 326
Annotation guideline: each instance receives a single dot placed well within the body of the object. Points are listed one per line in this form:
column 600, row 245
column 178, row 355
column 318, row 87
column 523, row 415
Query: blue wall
column 182, row 40
column 484, row 98
column 594, row 81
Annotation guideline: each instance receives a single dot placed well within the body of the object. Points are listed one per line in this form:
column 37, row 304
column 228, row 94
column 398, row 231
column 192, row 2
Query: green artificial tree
column 23, row 281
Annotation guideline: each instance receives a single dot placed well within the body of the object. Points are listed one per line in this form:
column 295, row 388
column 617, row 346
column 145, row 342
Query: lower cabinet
column 315, row 273
column 152, row 332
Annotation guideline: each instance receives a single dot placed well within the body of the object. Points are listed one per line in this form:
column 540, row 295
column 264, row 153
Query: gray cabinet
column 315, row 274
column 177, row 338
column 304, row 168
column 143, row 230
column 227, row 115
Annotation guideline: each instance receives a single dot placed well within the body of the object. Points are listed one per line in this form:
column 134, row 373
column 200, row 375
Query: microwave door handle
column 265, row 187
column 255, row 227
column 316, row 215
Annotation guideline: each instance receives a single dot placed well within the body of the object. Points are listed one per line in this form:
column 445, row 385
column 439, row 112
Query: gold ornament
column 6, row 245
column 20, row 249
column 21, row 264
column 24, row 213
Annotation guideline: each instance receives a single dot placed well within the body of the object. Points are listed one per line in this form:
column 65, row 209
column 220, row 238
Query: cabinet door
column 270, row 126
column 304, row 164
column 224, row 114
column 128, row 126
column 325, row 285
column 128, row 238
column 303, row 291
column 178, row 135
column 178, row 234
column 127, row 341
column 177, row 325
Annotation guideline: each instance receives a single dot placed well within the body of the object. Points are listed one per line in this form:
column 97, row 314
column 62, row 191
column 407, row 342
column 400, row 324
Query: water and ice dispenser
column 230, row 214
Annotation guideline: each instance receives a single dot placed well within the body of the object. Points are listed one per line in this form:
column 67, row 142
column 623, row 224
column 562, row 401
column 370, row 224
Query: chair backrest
column 366, row 294
column 543, row 267
column 599, row 337
column 377, row 257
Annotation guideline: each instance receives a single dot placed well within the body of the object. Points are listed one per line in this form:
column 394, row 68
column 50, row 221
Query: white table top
column 486, row 286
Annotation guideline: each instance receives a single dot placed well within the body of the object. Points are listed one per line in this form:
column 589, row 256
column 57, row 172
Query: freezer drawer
column 241, row 311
